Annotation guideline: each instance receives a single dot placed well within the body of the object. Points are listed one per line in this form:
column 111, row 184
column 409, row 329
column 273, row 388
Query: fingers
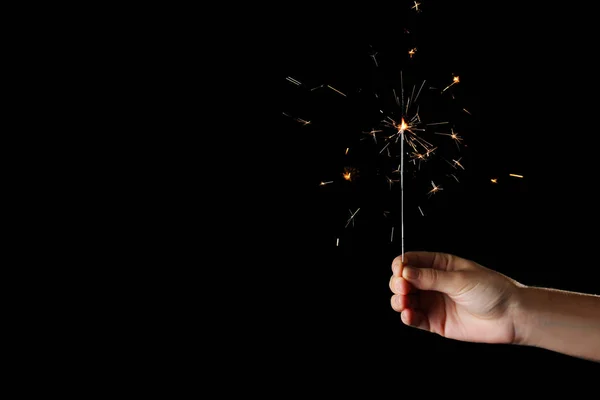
column 399, row 285
column 397, row 266
column 401, row 302
column 428, row 259
column 415, row 318
column 449, row 282
column 408, row 306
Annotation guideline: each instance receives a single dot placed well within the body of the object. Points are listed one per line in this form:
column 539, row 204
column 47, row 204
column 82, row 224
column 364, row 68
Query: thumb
column 449, row 282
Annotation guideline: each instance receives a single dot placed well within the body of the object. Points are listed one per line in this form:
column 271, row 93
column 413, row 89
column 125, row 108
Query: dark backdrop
column 527, row 80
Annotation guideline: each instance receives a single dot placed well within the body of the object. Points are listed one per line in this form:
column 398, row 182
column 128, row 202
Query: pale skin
column 460, row 299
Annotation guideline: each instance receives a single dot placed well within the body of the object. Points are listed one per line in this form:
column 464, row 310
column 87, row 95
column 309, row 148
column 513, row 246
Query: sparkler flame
column 402, row 127
column 405, row 125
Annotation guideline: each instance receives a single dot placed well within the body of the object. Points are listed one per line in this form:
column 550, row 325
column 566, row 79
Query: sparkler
column 401, row 130
column 404, row 135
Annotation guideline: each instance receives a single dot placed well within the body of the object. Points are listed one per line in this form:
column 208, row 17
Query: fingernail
column 410, row 273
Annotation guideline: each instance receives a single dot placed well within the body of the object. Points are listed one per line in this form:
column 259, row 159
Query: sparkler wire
column 402, row 194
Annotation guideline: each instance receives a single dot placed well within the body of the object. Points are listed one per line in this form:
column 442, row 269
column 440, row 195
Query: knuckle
column 432, row 275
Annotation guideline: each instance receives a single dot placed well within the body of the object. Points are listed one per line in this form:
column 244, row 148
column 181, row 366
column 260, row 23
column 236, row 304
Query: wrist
column 524, row 316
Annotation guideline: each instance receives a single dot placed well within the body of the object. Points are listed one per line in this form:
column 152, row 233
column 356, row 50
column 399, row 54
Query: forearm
column 561, row 321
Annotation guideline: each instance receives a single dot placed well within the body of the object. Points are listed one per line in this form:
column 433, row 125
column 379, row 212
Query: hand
column 453, row 297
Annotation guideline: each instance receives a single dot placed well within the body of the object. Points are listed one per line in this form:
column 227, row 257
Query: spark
column 384, row 147
column 430, row 151
column 402, row 90
column 455, row 80
column 419, row 92
column 516, row 176
column 406, row 131
column 494, row 180
column 421, row 156
column 438, row 123
column 422, row 213
column 416, row 6
column 435, row 189
column 454, row 176
column 453, row 135
column 412, row 52
column 410, row 99
column 351, row 219
column 302, row 121
column 392, row 235
column 455, row 163
column 335, row 90
column 347, row 150
column 325, row 183
column 373, row 55
column 372, row 132
column 294, row 81
column 337, row 242
column 317, row 87
column 418, row 156
column 402, row 126
column 467, row 111
column 391, row 181
column 349, row 173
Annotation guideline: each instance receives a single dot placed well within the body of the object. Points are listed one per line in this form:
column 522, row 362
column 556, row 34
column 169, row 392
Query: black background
column 527, row 79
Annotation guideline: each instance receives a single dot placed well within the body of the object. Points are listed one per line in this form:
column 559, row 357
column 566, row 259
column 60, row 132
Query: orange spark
column 349, row 173
column 435, row 189
column 455, row 80
column 402, row 127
